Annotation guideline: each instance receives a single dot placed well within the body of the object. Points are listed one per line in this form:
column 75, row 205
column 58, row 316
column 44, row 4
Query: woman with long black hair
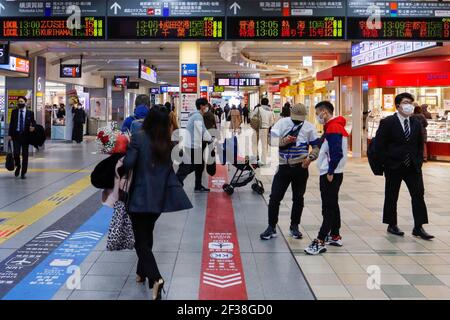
column 154, row 189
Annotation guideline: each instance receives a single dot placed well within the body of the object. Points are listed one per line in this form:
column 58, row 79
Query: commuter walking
column 399, row 143
column 79, row 119
column 295, row 136
column 331, row 163
column 265, row 118
column 286, row 110
column 21, row 124
column 218, row 112
column 173, row 119
column 209, row 118
column 142, row 107
column 227, row 110
column 198, row 136
column 155, row 189
column 245, row 113
column 236, row 119
column 418, row 114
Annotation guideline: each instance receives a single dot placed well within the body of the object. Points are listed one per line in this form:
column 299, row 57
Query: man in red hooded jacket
column 331, row 163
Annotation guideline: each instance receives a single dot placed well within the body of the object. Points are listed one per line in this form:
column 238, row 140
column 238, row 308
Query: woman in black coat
column 154, row 189
column 79, row 118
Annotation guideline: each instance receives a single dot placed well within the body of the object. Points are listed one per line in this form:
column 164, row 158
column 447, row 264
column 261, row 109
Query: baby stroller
column 245, row 172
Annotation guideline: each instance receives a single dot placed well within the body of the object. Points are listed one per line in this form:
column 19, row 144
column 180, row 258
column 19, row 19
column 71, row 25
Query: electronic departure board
column 422, row 29
column 237, row 82
column 286, row 28
column 192, row 28
column 50, row 28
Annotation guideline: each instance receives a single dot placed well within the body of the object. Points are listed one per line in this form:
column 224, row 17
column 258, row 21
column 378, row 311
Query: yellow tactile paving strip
column 49, row 170
column 18, row 221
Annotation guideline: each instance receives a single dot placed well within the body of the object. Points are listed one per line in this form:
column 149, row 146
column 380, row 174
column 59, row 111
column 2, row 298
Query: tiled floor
column 278, row 269
column 410, row 268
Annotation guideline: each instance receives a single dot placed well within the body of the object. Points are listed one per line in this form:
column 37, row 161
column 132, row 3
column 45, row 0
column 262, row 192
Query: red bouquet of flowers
column 111, row 141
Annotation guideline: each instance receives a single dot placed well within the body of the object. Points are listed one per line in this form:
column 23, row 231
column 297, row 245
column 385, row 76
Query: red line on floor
column 13, row 231
column 222, row 275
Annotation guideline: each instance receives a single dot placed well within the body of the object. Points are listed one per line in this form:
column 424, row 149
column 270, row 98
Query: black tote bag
column 9, row 163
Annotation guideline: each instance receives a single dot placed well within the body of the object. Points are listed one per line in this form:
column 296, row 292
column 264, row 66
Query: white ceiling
column 269, row 58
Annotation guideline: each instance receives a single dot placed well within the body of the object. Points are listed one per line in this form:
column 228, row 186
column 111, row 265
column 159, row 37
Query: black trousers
column 196, row 164
column 286, row 175
column 143, row 225
column 329, row 192
column 20, row 144
column 414, row 182
column 246, row 119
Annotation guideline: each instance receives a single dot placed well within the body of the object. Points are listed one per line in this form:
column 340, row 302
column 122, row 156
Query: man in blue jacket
column 141, row 110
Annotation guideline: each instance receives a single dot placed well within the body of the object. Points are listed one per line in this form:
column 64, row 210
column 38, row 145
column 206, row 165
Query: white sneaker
column 334, row 241
column 316, row 247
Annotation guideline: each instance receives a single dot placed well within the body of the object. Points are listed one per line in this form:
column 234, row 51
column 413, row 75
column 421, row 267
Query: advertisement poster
column 187, row 106
column 12, row 99
column 98, row 108
column 388, row 102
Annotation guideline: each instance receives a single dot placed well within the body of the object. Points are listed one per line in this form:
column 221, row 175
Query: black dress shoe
column 395, row 230
column 17, row 172
column 421, row 233
column 23, row 177
column 201, row 189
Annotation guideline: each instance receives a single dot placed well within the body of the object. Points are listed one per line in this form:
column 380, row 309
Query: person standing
column 197, row 134
column 21, row 124
column 154, row 190
column 61, row 111
column 295, row 136
column 425, row 112
column 266, row 120
column 331, row 163
column 399, row 143
column 79, row 119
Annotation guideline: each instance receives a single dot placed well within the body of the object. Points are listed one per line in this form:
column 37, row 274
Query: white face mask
column 408, row 109
column 320, row 120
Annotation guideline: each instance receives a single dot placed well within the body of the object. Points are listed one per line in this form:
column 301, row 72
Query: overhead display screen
column 287, row 28
column 237, row 82
column 50, row 28
column 70, row 71
column 401, row 29
column 193, row 28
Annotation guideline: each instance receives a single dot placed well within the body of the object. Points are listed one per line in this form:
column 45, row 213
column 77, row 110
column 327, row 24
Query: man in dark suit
column 21, row 124
column 400, row 147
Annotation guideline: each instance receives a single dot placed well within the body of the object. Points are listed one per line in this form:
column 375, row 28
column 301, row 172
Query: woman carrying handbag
column 154, row 189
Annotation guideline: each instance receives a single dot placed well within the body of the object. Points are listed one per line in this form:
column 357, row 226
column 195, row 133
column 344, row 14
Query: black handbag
column 211, row 168
column 9, row 163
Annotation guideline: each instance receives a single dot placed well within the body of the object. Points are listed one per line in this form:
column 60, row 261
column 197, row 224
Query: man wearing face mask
column 295, row 136
column 21, row 124
column 331, row 163
column 400, row 146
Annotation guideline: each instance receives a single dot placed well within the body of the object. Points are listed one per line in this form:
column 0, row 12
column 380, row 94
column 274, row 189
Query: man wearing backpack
column 399, row 143
column 295, row 136
column 261, row 119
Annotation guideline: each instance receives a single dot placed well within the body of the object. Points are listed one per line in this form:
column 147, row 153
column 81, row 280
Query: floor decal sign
column 61, row 267
column 222, row 275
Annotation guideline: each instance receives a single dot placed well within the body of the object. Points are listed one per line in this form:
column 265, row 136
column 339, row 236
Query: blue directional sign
column 189, row 70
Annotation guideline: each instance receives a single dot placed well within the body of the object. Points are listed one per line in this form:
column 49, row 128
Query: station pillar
column 189, row 79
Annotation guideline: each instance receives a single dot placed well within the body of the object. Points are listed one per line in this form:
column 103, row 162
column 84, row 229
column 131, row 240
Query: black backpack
column 374, row 158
